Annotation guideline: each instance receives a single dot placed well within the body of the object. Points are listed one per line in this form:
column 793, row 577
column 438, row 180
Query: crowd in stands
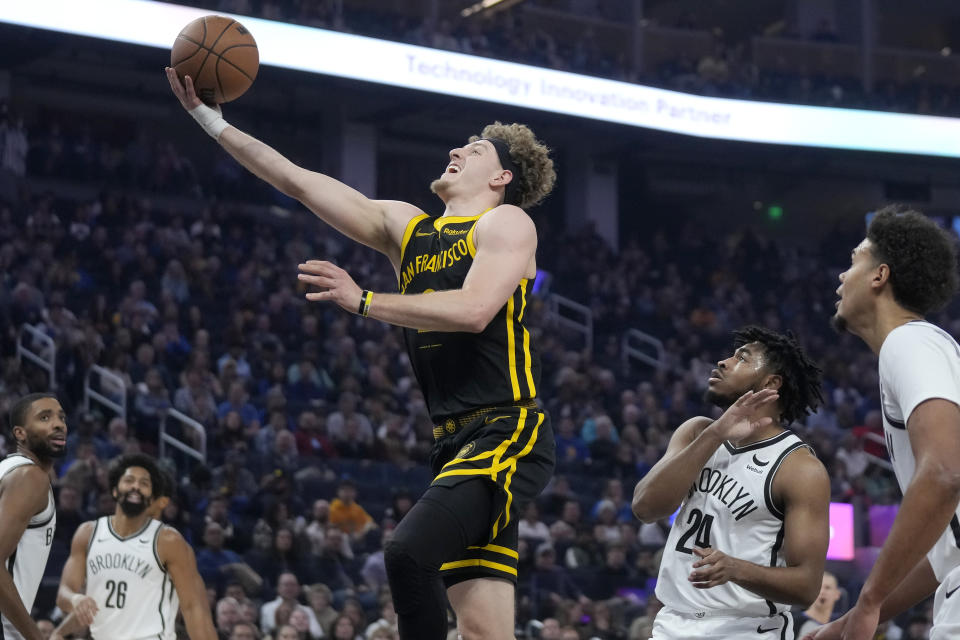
column 317, row 436
column 728, row 70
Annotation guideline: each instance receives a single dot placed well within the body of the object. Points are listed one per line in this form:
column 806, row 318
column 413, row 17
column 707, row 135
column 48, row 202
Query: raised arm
column 70, row 594
column 181, row 564
column 803, row 488
column 506, row 246
column 660, row 492
column 23, row 494
column 378, row 224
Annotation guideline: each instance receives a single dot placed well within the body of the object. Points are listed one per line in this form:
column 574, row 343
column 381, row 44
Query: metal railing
column 188, row 423
column 119, row 407
column 637, row 345
column 566, row 313
column 42, row 351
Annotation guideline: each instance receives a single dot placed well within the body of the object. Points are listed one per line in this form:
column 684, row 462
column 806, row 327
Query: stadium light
column 463, row 76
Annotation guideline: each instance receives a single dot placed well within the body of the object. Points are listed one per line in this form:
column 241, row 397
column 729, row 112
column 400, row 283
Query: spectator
column 347, row 515
column 821, row 611
column 288, row 592
column 321, row 603
column 217, row 565
column 530, row 526
column 227, row 616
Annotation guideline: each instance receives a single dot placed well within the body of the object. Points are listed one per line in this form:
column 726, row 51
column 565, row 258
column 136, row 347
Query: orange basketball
column 219, row 55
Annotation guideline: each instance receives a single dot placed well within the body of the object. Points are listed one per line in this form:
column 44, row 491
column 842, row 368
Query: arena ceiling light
column 483, row 5
column 157, row 24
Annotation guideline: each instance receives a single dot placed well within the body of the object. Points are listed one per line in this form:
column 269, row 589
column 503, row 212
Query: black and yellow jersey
column 458, row 371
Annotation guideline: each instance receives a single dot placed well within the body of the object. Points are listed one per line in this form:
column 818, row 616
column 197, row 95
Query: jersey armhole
column 93, row 535
column 768, row 483
column 156, row 549
column 408, row 231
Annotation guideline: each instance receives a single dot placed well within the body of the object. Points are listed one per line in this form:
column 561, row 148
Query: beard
column 720, row 399
column 133, row 509
column 42, row 448
column 438, row 186
column 838, row 323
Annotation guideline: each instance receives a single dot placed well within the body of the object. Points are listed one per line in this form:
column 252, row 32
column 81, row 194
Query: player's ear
column 19, row 434
column 881, row 275
column 503, row 178
column 773, row 381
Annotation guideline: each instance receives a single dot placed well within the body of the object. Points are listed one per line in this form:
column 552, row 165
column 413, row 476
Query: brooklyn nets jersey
column 29, row 559
column 460, row 371
column 134, row 594
column 730, row 507
column 919, row 361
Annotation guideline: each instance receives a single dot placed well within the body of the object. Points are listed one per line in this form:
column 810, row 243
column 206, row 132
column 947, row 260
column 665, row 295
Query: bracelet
column 366, row 297
column 211, row 121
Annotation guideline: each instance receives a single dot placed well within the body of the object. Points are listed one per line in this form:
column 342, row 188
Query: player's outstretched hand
column 339, row 286
column 185, row 92
column 740, row 420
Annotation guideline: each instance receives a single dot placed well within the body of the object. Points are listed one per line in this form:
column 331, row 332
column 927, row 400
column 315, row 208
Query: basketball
column 219, row 55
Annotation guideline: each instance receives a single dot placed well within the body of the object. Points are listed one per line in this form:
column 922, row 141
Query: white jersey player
column 905, row 269
column 751, row 534
column 27, row 509
column 128, row 574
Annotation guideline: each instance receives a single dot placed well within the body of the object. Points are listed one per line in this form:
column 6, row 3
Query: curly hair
column 118, row 468
column 531, row 156
column 922, row 258
column 800, row 392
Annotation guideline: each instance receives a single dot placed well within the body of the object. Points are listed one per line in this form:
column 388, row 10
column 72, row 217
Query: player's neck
column 764, row 434
column 887, row 317
column 469, row 206
column 125, row 525
column 46, row 465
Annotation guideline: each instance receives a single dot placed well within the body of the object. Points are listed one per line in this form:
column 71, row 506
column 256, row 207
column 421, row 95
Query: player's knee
column 406, row 573
column 480, row 627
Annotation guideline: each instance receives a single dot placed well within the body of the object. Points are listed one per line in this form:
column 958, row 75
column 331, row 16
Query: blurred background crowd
column 133, row 253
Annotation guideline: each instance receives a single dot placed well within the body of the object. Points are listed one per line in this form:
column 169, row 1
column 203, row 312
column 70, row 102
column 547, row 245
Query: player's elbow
column 476, row 318
column 809, row 594
column 644, row 507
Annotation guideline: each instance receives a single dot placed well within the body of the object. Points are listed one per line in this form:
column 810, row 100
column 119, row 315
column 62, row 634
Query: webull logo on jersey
column 727, row 491
column 122, row 561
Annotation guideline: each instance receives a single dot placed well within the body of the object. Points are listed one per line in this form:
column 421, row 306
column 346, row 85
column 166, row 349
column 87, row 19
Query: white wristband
column 211, row 121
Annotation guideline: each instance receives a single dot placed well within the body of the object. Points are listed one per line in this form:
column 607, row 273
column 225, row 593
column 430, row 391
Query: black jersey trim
column 407, row 232
column 132, row 535
column 778, row 543
column 786, row 626
column 93, row 535
column 156, row 549
column 757, row 445
column 768, row 482
column 163, row 620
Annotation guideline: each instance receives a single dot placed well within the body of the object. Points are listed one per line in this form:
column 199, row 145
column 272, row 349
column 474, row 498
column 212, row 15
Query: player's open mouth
column 714, row 376
column 453, row 168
